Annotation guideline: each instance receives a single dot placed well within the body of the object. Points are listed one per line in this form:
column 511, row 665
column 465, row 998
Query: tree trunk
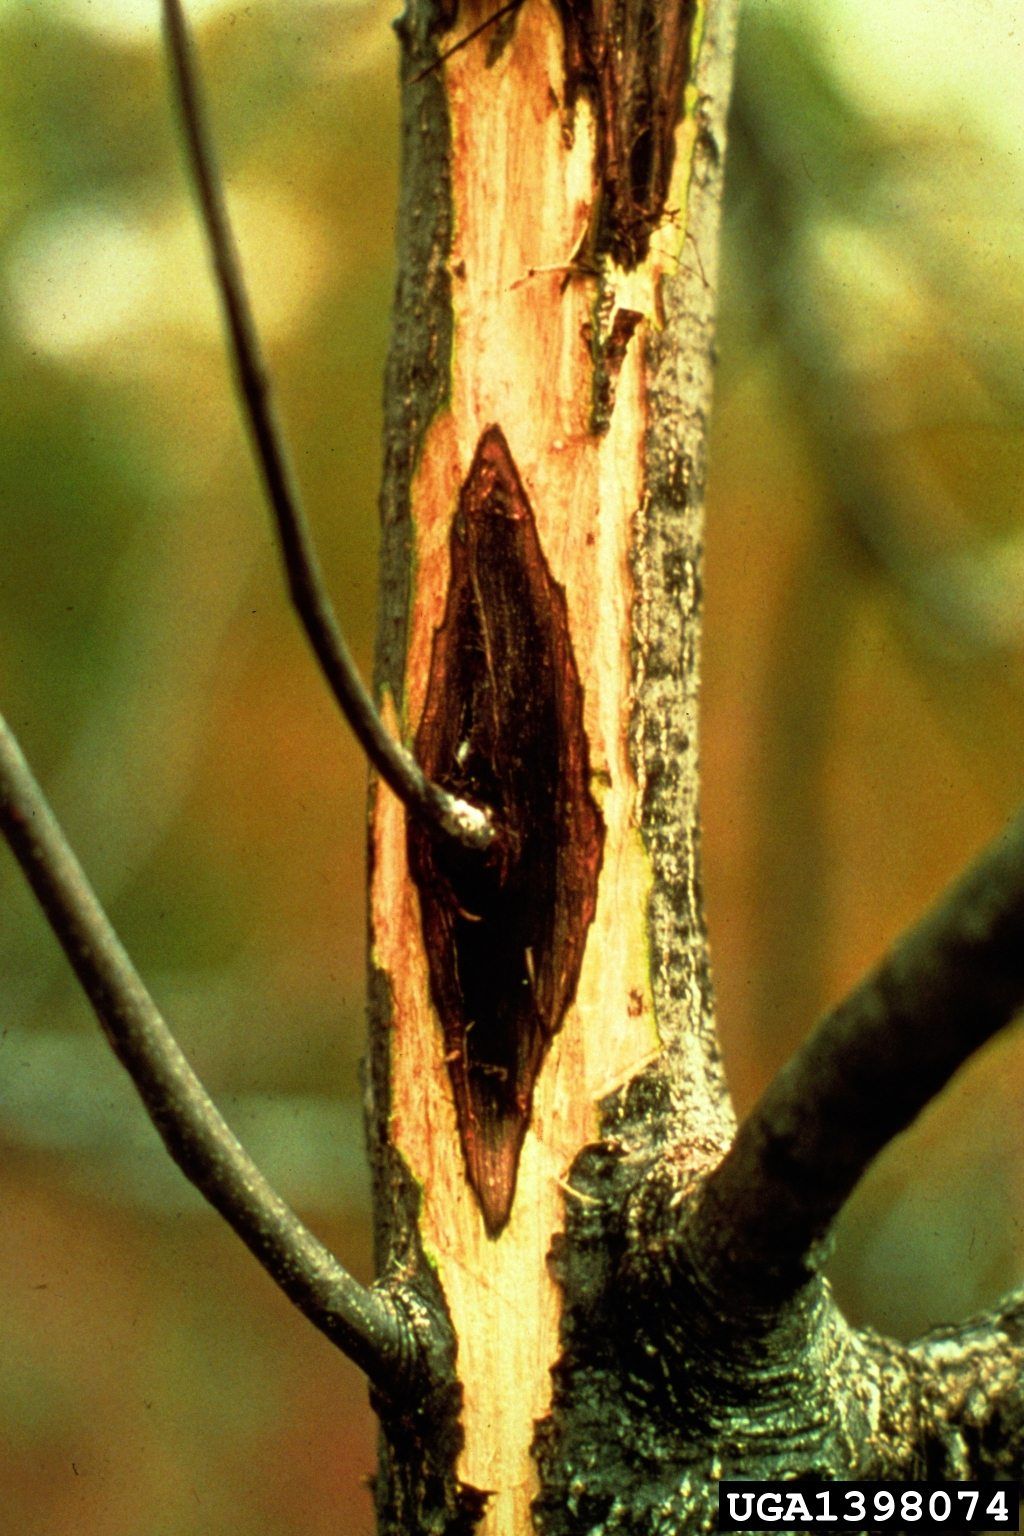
column 611, row 1301
column 557, row 257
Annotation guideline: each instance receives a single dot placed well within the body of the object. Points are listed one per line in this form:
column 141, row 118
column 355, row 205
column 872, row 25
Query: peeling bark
column 632, row 61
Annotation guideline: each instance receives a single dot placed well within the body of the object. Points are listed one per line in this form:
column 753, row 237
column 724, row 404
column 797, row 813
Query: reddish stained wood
column 502, row 725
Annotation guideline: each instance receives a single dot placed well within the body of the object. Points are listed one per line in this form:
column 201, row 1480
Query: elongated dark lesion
column 632, row 59
column 502, row 726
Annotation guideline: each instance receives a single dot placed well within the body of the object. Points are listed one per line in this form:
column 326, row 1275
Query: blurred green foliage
column 863, row 710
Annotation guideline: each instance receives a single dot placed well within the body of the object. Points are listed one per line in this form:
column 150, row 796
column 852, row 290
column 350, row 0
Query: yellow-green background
column 864, row 698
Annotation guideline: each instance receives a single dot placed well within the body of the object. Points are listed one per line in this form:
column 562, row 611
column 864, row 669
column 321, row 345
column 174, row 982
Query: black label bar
column 854, row 1507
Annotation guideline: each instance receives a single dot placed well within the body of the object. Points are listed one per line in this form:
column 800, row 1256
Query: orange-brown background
column 863, row 702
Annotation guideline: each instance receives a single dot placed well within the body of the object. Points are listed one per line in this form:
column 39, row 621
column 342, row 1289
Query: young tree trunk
column 615, row 1302
column 557, row 257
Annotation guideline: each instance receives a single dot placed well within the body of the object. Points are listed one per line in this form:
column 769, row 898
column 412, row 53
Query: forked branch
column 367, row 1325
column 445, row 813
column 861, row 1078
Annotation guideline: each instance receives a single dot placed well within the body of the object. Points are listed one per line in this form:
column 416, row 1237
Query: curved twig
column 863, row 1075
column 367, row 1325
column 464, row 42
column 446, row 813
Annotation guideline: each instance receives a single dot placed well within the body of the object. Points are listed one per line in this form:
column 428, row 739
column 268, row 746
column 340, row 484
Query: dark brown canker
column 502, row 726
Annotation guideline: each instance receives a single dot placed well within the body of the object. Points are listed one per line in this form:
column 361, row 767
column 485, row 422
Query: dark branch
column 366, row 1325
column 861, row 1078
column 447, row 814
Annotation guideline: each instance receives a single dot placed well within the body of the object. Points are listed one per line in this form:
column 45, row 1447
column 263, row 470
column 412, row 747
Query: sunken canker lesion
column 502, row 727
column 633, row 62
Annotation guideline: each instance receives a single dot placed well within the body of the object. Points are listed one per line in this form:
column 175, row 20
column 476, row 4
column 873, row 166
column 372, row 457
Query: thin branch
column 366, row 1325
column 464, row 42
column 447, row 814
column 864, row 1074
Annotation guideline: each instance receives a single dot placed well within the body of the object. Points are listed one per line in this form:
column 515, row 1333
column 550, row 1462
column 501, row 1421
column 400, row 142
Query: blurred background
column 864, row 665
